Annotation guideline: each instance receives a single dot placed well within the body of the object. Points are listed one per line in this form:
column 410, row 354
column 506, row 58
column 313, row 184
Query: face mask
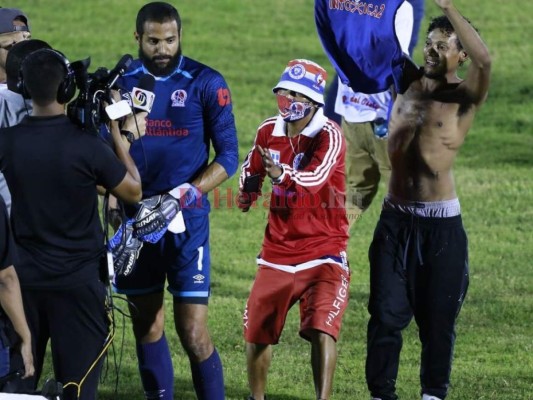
column 291, row 110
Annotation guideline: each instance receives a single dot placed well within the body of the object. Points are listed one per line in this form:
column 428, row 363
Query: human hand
column 114, row 217
column 380, row 127
column 273, row 170
column 27, row 358
column 245, row 200
column 135, row 123
column 443, row 4
column 115, row 96
column 125, row 249
column 154, row 216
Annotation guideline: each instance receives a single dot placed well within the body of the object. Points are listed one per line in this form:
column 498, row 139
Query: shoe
column 375, row 398
column 429, row 397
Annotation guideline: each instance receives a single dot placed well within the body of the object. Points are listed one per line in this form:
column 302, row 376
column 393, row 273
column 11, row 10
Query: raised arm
column 129, row 190
column 476, row 83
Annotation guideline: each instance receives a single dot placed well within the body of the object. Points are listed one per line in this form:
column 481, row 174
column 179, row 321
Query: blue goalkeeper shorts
column 182, row 259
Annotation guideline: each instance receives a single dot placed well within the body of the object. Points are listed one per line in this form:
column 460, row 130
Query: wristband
column 129, row 135
column 187, row 194
column 280, row 178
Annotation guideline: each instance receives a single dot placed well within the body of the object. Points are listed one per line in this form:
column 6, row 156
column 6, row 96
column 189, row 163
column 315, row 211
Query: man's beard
column 154, row 69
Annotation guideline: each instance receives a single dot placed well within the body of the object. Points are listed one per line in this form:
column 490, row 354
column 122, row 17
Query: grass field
column 250, row 42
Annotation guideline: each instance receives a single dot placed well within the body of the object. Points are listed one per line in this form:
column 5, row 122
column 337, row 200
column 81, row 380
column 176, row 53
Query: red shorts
column 323, row 292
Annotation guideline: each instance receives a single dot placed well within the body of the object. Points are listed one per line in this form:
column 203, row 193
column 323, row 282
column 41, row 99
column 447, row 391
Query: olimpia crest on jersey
column 178, row 98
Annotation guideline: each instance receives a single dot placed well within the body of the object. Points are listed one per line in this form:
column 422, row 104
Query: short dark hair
column 157, row 11
column 43, row 72
column 16, row 55
column 443, row 23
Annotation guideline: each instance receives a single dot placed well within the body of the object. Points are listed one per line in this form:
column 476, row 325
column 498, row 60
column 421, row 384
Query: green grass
column 250, row 43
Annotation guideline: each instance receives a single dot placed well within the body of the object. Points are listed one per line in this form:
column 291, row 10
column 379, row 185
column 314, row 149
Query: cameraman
column 52, row 168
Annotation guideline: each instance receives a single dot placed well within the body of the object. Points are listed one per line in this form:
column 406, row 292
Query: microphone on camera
column 142, row 96
column 121, row 67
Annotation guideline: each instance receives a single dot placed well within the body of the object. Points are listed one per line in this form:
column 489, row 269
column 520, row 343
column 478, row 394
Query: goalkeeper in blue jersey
column 192, row 111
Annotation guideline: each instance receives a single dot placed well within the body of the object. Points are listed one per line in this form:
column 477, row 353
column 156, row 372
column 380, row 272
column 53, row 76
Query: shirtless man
column 418, row 256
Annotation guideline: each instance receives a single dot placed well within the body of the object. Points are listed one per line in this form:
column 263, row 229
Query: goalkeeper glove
column 154, row 215
column 125, row 249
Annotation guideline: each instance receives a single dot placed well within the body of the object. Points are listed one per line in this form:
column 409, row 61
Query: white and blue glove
column 153, row 217
column 125, row 249
column 160, row 213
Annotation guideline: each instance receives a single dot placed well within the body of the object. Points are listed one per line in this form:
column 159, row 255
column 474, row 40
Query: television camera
column 88, row 110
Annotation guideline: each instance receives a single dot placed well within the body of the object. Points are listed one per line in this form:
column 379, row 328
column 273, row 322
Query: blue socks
column 157, row 373
column 208, row 378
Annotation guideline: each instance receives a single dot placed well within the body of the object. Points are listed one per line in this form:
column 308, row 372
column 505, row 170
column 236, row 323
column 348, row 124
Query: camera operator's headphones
column 66, row 89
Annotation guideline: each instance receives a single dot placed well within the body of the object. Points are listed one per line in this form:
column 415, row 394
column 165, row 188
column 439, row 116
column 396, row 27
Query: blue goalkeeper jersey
column 192, row 111
column 360, row 41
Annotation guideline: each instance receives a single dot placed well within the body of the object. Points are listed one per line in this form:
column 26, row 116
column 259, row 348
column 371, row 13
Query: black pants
column 76, row 323
column 418, row 266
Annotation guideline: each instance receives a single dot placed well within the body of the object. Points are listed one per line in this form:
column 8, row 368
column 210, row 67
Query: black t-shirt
column 52, row 169
column 7, row 248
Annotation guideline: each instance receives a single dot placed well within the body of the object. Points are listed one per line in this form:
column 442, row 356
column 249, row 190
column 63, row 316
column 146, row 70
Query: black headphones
column 66, row 89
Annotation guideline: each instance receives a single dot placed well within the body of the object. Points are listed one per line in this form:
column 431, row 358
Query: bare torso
column 426, row 129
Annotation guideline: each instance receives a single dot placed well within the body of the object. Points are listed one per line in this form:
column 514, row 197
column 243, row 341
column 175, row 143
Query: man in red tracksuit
column 303, row 257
